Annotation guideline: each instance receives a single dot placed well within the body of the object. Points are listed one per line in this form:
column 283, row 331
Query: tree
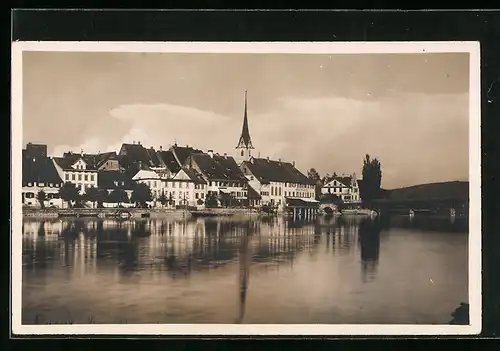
column 372, row 178
column 170, row 199
column 199, row 202
column 41, row 196
column 211, row 200
column 163, row 199
column 94, row 195
column 313, row 175
column 141, row 194
column 68, row 192
column 118, row 196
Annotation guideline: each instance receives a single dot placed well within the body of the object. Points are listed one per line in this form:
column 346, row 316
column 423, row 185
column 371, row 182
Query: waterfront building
column 186, row 188
column 107, row 161
column 222, row 176
column 345, row 187
column 79, row 169
column 116, row 180
column 40, row 174
column 152, row 180
column 277, row 181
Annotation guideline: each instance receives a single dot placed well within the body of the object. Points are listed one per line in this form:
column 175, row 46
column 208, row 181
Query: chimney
column 267, row 158
column 279, row 160
column 161, row 148
column 225, row 155
column 210, row 153
column 81, row 152
column 293, row 163
column 138, row 143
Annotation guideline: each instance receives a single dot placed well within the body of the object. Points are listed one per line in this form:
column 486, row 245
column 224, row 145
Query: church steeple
column 245, row 141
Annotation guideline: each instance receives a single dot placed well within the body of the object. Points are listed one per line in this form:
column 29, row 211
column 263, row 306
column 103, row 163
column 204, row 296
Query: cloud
column 418, row 138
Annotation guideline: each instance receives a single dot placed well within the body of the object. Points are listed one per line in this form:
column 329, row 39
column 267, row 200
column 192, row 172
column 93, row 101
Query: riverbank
column 135, row 212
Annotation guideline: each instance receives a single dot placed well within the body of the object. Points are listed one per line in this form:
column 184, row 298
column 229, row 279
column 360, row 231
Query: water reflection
column 93, row 264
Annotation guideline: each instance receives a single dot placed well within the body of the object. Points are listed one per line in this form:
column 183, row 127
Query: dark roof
column 107, row 179
column 275, row 171
column 445, row 190
column 69, row 159
column 154, row 159
column 168, row 159
column 101, row 158
column 40, row 170
column 330, row 198
column 194, row 175
column 211, row 168
column 253, row 194
column 230, row 167
column 300, row 203
column 245, row 140
column 182, row 153
column 136, row 153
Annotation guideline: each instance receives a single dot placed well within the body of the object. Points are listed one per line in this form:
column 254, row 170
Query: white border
column 248, row 47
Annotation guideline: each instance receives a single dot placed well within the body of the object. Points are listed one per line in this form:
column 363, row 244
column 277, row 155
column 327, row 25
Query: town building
column 277, row 181
column 35, row 150
column 40, row 174
column 116, row 180
column 222, row 176
column 345, row 187
column 186, row 188
column 153, row 181
column 107, row 161
column 79, row 169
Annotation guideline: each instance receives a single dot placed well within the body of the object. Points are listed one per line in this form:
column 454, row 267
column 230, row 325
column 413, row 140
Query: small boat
column 123, row 214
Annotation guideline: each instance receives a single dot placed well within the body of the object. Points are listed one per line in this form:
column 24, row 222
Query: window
column 280, row 191
column 72, row 176
column 91, row 177
column 79, row 177
column 210, row 183
column 86, row 177
column 202, row 195
column 67, row 176
column 242, row 153
column 29, row 184
column 196, row 195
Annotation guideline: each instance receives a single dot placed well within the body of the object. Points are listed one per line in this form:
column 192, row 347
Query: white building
column 276, row 181
column 345, row 187
column 152, row 180
column 185, row 189
column 39, row 174
column 78, row 169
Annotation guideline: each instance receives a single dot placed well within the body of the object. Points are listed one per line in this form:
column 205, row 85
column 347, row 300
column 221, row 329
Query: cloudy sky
column 410, row 111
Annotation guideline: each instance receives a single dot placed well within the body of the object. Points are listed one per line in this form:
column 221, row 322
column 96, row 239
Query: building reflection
column 179, row 247
column 369, row 242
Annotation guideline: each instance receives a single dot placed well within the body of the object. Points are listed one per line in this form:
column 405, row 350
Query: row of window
column 228, row 184
column 30, row 195
column 50, row 185
column 80, row 177
column 339, row 190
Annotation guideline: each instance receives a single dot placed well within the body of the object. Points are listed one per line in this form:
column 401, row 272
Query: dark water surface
column 243, row 271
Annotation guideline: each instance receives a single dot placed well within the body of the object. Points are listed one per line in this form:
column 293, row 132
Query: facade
column 40, row 174
column 276, row 181
column 345, row 187
column 185, row 189
column 78, row 169
column 152, row 180
column 107, row 162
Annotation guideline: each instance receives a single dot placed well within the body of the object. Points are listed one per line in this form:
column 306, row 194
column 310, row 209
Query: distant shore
column 110, row 212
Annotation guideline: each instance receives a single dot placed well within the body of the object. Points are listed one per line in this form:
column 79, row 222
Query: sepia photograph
column 246, row 188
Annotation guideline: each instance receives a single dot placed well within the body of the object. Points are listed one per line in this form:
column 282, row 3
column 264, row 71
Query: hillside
column 453, row 189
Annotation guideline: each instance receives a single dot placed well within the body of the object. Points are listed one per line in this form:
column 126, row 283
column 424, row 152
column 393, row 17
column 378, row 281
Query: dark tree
column 372, row 178
column 41, row 196
column 141, row 194
column 200, row 202
column 68, row 192
column 170, row 199
column 313, row 175
column 211, row 200
column 163, row 198
column 118, row 196
column 94, row 195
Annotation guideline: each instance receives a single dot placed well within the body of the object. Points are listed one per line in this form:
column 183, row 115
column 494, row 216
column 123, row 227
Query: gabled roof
column 168, row 159
column 154, row 159
column 253, row 194
column 107, row 179
column 39, row 170
column 182, row 153
column 135, row 153
column 275, row 171
column 101, row 158
column 69, row 159
column 230, row 167
column 194, row 175
column 344, row 180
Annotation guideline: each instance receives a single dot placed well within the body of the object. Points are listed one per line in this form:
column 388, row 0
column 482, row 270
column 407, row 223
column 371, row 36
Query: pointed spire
column 245, row 141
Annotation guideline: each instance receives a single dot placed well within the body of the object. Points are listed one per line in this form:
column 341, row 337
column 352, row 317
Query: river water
column 243, row 270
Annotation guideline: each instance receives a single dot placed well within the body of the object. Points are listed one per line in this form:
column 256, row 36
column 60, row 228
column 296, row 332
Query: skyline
column 321, row 111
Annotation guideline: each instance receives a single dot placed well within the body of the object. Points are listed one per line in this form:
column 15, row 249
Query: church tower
column 244, row 147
